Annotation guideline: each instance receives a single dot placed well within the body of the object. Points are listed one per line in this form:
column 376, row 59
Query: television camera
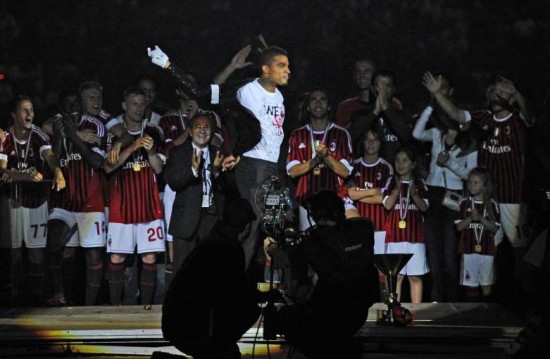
column 273, row 200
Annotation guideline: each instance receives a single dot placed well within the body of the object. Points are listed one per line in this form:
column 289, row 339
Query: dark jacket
column 186, row 210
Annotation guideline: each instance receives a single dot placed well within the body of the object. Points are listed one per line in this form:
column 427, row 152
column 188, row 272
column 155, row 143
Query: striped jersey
column 475, row 233
column 405, row 210
column 503, row 153
column 368, row 176
column 26, row 155
column 133, row 189
column 83, row 191
column 301, row 148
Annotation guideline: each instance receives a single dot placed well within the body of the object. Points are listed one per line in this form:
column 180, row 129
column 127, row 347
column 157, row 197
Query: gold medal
column 402, row 224
column 136, row 167
column 477, row 248
column 316, row 171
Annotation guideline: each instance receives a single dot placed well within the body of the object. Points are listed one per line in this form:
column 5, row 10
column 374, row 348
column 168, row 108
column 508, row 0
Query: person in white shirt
column 450, row 164
column 258, row 100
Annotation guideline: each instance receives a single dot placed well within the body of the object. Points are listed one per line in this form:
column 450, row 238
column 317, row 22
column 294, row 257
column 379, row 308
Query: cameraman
column 340, row 253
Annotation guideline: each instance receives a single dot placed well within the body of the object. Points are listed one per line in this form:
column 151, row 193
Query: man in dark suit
column 193, row 171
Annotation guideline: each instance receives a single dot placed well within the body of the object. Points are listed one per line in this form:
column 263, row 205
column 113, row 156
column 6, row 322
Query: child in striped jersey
column 405, row 223
column 478, row 224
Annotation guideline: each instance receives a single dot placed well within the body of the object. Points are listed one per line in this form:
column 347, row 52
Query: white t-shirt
column 269, row 109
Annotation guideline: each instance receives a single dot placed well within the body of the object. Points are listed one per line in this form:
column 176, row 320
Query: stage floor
column 439, row 330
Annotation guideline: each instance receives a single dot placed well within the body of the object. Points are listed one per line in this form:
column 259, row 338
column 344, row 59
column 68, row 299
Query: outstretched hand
column 158, row 57
column 239, row 60
column 432, row 83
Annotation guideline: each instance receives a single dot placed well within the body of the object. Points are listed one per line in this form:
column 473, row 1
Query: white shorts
column 418, row 264
column 90, row 227
column 148, row 237
column 477, row 269
column 510, row 215
column 28, row 225
column 168, row 200
column 379, row 242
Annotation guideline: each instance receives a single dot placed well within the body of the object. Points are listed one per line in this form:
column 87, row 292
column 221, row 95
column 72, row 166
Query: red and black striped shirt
column 83, row 191
column 134, row 195
column 468, row 238
column 368, row 176
column 23, row 155
column 503, row 153
column 411, row 214
column 301, row 148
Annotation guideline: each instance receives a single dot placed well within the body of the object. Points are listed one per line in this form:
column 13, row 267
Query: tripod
column 269, row 332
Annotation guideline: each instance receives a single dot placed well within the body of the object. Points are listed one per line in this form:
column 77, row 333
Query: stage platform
column 442, row 330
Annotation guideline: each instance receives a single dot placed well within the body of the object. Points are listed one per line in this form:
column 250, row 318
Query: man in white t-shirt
column 265, row 101
column 260, row 99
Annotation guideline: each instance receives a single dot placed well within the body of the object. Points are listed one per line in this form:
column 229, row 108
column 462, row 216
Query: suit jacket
column 186, row 211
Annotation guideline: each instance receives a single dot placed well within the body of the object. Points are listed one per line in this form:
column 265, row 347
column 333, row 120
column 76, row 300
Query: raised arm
column 506, row 88
column 433, row 84
column 237, row 62
column 419, row 132
column 192, row 90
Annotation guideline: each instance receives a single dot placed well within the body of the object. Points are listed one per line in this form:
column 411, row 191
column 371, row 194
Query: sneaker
column 57, row 300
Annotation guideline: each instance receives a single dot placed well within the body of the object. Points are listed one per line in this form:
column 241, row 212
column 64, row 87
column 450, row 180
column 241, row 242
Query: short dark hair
column 132, row 91
column 269, row 54
column 14, row 102
column 364, row 60
column 92, row 84
column 383, row 72
column 378, row 131
column 318, row 89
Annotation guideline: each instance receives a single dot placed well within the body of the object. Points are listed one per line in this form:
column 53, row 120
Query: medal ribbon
column 478, row 232
column 403, row 211
column 325, row 131
column 25, row 153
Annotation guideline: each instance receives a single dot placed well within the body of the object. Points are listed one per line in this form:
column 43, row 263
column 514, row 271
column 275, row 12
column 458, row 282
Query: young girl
column 372, row 180
column 478, row 223
column 405, row 224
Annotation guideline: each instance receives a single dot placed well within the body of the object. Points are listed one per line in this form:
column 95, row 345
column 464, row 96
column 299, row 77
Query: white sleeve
column 419, row 131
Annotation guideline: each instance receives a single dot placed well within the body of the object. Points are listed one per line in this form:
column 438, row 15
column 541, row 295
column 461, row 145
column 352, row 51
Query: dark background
column 49, row 45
